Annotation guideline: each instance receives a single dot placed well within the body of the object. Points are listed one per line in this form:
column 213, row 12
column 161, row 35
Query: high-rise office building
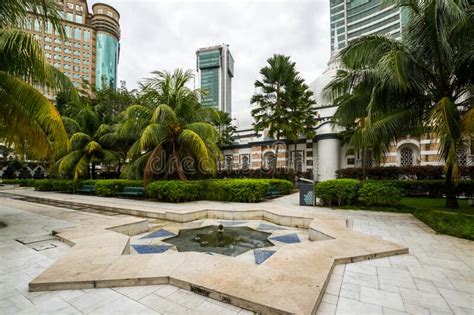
column 351, row 19
column 91, row 48
column 215, row 67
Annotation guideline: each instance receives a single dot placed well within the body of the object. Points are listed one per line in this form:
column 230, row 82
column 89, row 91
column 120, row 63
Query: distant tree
column 283, row 103
column 110, row 103
column 224, row 127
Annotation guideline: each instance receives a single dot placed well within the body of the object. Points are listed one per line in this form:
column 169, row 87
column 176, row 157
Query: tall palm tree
column 283, row 103
column 173, row 129
column 29, row 122
column 423, row 83
column 88, row 143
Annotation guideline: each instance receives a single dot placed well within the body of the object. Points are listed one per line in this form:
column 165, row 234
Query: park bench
column 132, row 192
column 272, row 191
column 86, row 189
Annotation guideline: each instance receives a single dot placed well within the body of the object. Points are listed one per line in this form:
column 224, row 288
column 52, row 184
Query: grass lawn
column 454, row 222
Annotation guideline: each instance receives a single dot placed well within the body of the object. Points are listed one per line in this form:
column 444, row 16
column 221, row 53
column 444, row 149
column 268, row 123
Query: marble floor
column 437, row 276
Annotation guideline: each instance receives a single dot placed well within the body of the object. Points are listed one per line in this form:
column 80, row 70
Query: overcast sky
column 165, row 34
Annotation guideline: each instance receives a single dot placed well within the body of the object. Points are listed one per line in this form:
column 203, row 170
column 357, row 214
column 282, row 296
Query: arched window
column 245, row 162
column 407, row 157
column 228, row 162
column 268, row 160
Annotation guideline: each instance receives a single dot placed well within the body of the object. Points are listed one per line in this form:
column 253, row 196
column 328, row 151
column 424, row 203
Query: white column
column 329, row 149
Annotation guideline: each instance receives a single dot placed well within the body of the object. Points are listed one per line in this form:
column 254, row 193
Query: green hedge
column 112, row 187
column 379, row 194
column 338, row 191
column 237, row 190
column 60, row 185
column 174, row 190
column 429, row 188
column 21, row 182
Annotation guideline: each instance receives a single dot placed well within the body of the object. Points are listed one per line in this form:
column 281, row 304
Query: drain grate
column 44, row 247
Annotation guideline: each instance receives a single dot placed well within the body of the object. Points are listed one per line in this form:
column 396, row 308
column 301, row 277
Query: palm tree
column 172, row 127
column 29, row 122
column 88, row 138
column 282, row 103
column 422, row 84
column 224, row 127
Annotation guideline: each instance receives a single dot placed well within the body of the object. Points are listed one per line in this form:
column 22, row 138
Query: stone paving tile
column 348, row 306
column 382, row 298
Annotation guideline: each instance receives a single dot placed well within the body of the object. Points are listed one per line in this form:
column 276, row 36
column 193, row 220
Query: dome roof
column 320, row 83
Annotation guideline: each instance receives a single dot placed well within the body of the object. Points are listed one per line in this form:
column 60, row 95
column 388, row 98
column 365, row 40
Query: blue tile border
column 151, row 249
column 288, row 239
column 159, row 233
column 262, row 254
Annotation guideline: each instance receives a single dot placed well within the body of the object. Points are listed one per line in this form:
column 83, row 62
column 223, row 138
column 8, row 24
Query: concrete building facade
column 90, row 52
column 215, row 70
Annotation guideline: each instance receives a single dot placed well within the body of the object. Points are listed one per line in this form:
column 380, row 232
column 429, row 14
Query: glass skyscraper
column 90, row 51
column 351, row 19
column 215, row 67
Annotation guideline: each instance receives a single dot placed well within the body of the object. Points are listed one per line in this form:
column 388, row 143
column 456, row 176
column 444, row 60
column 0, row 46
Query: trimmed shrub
column 284, row 186
column 236, row 190
column 174, row 190
column 60, row 185
column 338, row 191
column 428, row 172
column 112, row 187
column 21, row 182
column 379, row 194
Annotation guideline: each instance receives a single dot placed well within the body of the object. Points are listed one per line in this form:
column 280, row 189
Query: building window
column 79, row 8
column 77, row 53
column 406, row 156
column 67, row 58
column 67, row 51
column 78, row 18
column 298, row 157
column 268, row 160
column 67, row 30
column 87, row 36
column 77, row 45
column 100, row 11
column 350, row 161
column 70, row 6
column 76, row 60
column 57, row 49
column 27, row 23
column 69, row 17
column 47, row 47
column 37, row 25
column 77, row 33
column 57, row 57
column 66, row 66
column 47, row 39
column 110, row 14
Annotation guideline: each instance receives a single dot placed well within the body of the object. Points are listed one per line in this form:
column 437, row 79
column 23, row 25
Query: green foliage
column 21, row 182
column 449, row 223
column 236, row 190
column 390, row 88
column 112, row 187
column 59, row 185
column 379, row 194
column 174, row 190
column 224, row 127
column 338, row 191
column 171, row 126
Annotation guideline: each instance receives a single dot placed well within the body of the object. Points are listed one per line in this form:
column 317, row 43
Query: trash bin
column 306, row 193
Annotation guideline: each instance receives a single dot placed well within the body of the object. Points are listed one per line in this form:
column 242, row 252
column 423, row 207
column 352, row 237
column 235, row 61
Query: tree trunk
column 451, row 200
column 92, row 170
column 275, row 163
column 364, row 159
column 177, row 164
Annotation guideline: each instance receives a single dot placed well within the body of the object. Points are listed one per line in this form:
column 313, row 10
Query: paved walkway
column 435, row 278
